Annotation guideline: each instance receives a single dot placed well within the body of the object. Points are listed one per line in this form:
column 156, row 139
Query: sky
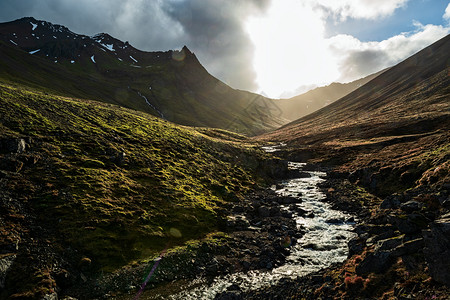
column 279, row 48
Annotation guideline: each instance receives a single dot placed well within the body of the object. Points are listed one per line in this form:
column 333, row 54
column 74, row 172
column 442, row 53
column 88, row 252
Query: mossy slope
column 112, row 182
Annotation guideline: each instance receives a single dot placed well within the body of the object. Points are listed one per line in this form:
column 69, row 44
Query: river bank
column 285, row 232
column 392, row 255
column 252, row 259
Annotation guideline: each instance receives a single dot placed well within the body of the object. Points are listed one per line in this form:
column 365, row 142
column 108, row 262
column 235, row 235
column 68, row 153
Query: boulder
column 411, row 206
column 392, row 201
column 5, row 265
column 13, row 145
column 376, row 262
column 410, row 223
column 437, row 249
column 238, row 222
column 264, row 211
column 389, row 244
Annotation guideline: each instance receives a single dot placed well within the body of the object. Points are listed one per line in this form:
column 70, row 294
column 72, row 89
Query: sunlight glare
column 290, row 48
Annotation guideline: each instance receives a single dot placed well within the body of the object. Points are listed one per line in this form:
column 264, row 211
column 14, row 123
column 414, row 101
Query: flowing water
column 324, row 243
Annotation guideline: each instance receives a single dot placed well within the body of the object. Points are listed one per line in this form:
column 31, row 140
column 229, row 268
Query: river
column 327, row 232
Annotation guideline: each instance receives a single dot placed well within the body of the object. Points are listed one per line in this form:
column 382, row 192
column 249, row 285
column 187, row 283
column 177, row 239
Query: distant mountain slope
column 396, row 127
column 306, row 103
column 172, row 85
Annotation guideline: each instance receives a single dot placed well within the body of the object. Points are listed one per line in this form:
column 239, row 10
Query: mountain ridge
column 172, row 84
column 301, row 105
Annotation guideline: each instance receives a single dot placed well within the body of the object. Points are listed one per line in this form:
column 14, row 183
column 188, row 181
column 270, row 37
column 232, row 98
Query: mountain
column 172, row 85
column 306, row 103
column 406, row 105
column 386, row 150
column 88, row 187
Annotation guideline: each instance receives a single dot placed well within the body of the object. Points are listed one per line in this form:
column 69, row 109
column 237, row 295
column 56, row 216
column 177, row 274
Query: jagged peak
column 186, row 50
column 27, row 19
column 102, row 35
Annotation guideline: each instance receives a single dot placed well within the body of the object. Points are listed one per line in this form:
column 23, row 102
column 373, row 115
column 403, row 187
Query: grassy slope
column 112, row 182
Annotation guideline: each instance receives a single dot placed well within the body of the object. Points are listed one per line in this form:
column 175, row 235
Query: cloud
column 212, row 29
column 446, row 15
column 359, row 9
column 271, row 45
column 357, row 59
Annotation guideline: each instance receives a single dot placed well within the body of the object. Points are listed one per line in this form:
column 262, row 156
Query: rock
column 212, row 268
column 301, row 174
column 392, row 201
column 229, row 295
column 355, row 246
column 64, row 279
column 310, row 215
column 334, row 221
column 437, row 249
column 264, row 211
column 409, row 224
column 350, row 220
column 275, row 212
column 238, row 222
column 286, row 214
column 288, row 200
column 411, row 206
column 52, row 296
column 5, row 265
column 385, row 254
column 372, row 229
column 382, row 236
column 376, row 262
column 413, row 246
column 245, row 264
column 389, row 244
column 13, row 145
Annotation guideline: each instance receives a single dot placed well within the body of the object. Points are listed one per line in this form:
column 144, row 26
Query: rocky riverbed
column 280, row 234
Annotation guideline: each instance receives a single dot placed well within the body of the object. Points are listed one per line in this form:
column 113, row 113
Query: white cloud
column 357, row 59
column 281, row 43
column 446, row 15
column 359, row 9
column 291, row 50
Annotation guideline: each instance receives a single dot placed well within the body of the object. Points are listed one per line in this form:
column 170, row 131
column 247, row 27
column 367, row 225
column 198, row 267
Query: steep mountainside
column 90, row 187
column 304, row 104
column 172, row 85
column 387, row 149
column 406, row 105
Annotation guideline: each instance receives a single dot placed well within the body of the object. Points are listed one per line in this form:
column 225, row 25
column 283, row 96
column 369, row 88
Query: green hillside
column 112, row 183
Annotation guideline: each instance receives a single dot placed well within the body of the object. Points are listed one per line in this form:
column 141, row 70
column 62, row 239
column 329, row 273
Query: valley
column 125, row 172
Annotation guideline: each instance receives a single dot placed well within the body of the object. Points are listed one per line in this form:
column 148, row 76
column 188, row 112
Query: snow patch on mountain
column 93, row 59
column 13, row 42
column 34, row 26
column 33, row 52
column 108, row 46
column 133, row 58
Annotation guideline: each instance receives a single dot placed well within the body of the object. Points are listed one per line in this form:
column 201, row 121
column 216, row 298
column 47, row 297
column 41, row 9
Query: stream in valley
column 327, row 232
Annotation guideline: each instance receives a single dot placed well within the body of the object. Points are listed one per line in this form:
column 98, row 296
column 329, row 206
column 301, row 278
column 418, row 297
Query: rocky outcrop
column 5, row 265
column 12, row 145
column 437, row 249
